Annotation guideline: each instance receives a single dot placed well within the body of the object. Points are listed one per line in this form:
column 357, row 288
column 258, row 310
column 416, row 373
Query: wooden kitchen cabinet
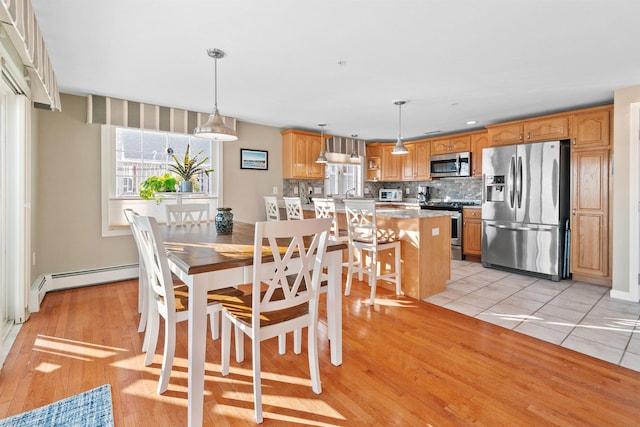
column 455, row 144
column 300, row 149
column 590, row 216
column 506, row 134
column 422, row 159
column 391, row 164
column 550, row 129
column 478, row 142
column 591, row 129
column 374, row 162
column 472, row 232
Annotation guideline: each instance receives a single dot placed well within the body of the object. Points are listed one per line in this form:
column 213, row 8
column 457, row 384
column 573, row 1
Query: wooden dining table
column 205, row 260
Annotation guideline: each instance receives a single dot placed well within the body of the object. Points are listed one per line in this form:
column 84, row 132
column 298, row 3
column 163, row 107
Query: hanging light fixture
column 322, row 158
column 215, row 128
column 354, row 148
column 399, row 147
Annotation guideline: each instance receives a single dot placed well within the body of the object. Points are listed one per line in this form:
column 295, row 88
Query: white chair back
column 326, row 208
column 293, row 207
column 187, row 213
column 361, row 221
column 272, row 209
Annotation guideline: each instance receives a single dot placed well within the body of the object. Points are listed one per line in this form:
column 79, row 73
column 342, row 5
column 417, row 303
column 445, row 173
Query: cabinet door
column 314, row 170
column 460, row 144
column 299, row 156
column 391, row 164
column 478, row 142
column 590, row 212
column 547, row 129
column 440, row 146
column 408, row 163
column 590, row 129
column 472, row 237
column 422, row 165
column 505, row 134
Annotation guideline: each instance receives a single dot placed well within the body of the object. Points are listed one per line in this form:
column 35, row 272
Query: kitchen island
column 425, row 238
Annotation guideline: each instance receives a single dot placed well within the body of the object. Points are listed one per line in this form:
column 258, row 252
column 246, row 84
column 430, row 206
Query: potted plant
column 157, row 184
column 188, row 168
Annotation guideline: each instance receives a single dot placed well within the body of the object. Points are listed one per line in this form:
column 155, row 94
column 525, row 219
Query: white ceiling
column 295, row 63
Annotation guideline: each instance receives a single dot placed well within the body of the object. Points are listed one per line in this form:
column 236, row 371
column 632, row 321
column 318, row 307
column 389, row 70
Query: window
column 140, row 154
column 343, row 177
column 130, row 156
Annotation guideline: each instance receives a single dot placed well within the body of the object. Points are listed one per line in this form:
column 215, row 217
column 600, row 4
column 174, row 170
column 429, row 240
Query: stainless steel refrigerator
column 525, row 208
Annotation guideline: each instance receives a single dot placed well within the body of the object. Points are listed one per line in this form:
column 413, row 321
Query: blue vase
column 224, row 221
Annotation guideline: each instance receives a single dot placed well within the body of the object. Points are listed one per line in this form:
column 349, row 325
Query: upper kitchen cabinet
column 478, row 142
column 548, row 129
column 533, row 130
column 591, row 128
column 374, row 162
column 454, row 144
column 300, row 149
column 422, row 161
column 392, row 164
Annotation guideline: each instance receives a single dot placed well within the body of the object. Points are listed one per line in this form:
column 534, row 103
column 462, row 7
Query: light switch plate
column 435, row 231
column 275, row 189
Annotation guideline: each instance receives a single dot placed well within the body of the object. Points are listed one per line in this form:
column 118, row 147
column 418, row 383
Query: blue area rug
column 89, row 409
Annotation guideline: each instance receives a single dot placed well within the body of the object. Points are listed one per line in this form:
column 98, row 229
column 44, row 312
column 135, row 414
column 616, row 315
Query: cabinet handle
column 574, row 141
column 520, row 137
column 574, row 212
column 528, row 135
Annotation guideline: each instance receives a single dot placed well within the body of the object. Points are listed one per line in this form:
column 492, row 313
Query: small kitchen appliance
column 390, row 195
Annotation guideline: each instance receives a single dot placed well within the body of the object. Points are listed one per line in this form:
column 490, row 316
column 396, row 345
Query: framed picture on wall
column 254, row 159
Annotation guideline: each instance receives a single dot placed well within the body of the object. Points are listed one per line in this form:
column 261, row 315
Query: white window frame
column 359, row 184
column 113, row 221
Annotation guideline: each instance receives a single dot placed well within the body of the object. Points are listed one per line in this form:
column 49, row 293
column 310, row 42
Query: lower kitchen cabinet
column 472, row 232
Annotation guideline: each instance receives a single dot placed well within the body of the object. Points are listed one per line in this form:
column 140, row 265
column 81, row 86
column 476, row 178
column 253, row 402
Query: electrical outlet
column 435, row 231
column 317, row 190
column 406, row 190
column 366, row 190
column 295, row 191
column 275, row 189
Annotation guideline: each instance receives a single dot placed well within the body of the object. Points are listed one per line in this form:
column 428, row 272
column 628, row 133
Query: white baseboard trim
column 626, row 296
column 76, row 279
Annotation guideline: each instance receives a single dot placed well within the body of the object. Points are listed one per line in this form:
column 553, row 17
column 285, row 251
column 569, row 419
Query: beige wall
column 67, row 205
column 622, row 185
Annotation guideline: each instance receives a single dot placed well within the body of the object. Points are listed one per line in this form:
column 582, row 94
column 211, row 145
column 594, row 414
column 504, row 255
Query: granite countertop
column 411, row 211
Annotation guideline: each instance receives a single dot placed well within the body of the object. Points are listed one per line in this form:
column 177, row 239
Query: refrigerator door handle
column 512, row 186
column 519, row 182
column 520, row 228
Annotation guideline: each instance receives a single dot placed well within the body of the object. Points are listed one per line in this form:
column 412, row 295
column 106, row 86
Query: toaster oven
column 390, row 195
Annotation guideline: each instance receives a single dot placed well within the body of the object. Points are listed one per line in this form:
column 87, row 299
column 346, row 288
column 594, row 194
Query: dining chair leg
column 214, row 319
column 257, row 385
column 239, row 345
column 314, row 367
column 151, row 336
column 297, row 341
column 373, row 276
column 143, row 302
column 167, row 357
column 225, row 344
column 282, row 344
column 347, row 289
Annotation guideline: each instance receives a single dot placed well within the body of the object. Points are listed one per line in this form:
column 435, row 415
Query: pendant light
column 322, row 158
column 215, row 128
column 354, row 148
column 399, row 147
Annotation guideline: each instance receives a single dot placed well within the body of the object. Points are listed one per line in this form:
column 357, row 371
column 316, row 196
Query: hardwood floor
column 406, row 362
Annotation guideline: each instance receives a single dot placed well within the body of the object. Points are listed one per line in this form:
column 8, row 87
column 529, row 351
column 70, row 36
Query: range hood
column 339, row 149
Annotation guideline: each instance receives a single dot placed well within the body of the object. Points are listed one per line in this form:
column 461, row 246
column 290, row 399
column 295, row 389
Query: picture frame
column 254, row 159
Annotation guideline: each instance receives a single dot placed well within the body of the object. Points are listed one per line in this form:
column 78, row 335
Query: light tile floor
column 575, row 315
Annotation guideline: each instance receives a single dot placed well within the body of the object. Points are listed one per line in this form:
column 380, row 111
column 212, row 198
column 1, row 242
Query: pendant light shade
column 399, row 148
column 215, row 128
column 321, row 157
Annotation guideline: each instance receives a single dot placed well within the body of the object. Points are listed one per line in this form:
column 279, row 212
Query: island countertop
column 393, row 212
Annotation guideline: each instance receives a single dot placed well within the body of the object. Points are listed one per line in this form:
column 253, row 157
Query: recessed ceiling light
column 472, row 122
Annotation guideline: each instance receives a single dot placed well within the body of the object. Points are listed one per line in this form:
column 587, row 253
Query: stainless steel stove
column 455, row 209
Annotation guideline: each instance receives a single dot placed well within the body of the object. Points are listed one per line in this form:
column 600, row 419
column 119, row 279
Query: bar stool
column 364, row 237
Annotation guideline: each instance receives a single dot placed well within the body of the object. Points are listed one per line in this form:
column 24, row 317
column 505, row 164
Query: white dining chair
column 279, row 304
column 293, row 207
column 272, row 209
column 143, row 297
column 170, row 297
column 193, row 213
column 366, row 238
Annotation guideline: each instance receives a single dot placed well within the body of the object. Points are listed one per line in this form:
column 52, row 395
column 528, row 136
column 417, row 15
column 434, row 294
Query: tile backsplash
column 454, row 188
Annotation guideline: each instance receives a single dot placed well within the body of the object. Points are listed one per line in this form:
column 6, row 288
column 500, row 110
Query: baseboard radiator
column 76, row 279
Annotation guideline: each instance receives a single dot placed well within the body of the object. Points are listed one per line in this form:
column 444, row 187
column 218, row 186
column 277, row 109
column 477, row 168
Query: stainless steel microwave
column 451, row 165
